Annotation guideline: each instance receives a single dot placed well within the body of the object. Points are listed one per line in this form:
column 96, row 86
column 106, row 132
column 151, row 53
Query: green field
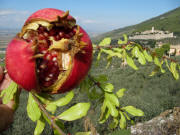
column 151, row 94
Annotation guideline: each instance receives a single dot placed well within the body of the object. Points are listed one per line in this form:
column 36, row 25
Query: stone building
column 152, row 34
column 174, row 49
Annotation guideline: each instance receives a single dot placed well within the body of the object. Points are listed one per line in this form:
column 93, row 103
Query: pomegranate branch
column 47, row 115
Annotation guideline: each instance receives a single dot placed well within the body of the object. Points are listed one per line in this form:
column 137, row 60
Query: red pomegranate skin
column 82, row 63
column 19, row 63
column 21, row 66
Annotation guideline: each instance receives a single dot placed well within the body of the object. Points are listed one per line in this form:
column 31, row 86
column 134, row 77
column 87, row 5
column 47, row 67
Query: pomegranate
column 51, row 54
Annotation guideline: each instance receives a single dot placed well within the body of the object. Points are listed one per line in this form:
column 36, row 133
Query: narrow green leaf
column 105, row 116
column 112, row 109
column 136, row 52
column 109, row 60
column 122, row 123
column 110, row 52
column 125, row 40
column 103, row 112
column 39, row 126
column 155, row 70
column 147, row 56
column 99, row 55
column 83, row 133
column 120, row 50
column 120, row 93
column 51, row 107
column 130, row 62
column 174, row 70
column 107, row 87
column 65, row 100
column 9, row 93
column 44, row 98
column 162, row 70
column 167, row 65
column 133, row 111
column 114, row 123
column 75, row 112
column 33, row 110
column 128, row 118
column 112, row 98
column 156, row 61
column 105, row 41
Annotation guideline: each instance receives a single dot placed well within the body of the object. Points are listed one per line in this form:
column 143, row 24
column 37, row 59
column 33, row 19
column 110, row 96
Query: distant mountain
column 169, row 21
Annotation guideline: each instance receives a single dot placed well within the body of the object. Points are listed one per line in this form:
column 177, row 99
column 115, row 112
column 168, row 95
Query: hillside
column 168, row 21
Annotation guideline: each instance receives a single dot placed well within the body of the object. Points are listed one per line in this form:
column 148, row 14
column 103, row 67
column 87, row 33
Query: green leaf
column 167, row 65
column 9, row 93
column 122, row 123
column 125, row 40
column 120, row 50
column 105, row 116
column 65, row 100
column 120, row 93
column 128, row 118
column 109, row 60
column 114, row 123
column 107, row 87
column 99, row 55
column 133, row 111
column 157, row 62
column 130, row 62
column 105, row 41
column 112, row 98
column 104, row 113
column 147, row 56
column 83, row 133
column 33, row 110
column 139, row 55
column 75, row 112
column 110, row 52
column 155, row 70
column 39, row 126
column 162, row 70
column 112, row 109
column 44, row 98
column 51, row 107
column 174, row 70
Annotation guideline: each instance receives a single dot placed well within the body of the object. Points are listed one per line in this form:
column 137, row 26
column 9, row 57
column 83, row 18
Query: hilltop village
column 157, row 35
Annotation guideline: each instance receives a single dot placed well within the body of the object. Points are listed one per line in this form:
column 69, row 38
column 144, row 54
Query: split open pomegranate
column 51, row 53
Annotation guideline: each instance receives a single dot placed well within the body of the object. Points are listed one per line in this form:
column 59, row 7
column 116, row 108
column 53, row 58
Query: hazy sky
column 93, row 15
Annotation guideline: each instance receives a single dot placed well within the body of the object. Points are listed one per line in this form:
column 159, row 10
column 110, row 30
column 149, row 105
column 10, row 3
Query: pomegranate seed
column 61, row 34
column 45, row 34
column 57, row 37
column 51, row 75
column 54, row 59
column 47, row 79
column 43, row 66
column 54, row 53
column 48, row 57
